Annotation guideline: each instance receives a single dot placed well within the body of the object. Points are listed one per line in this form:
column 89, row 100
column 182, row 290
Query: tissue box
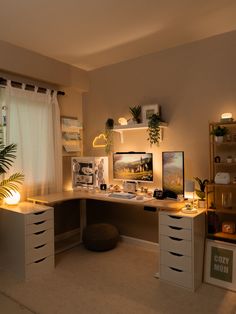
column 228, row 227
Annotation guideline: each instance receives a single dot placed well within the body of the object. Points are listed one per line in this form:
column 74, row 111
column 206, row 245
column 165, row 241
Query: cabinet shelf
column 227, row 237
column 132, row 127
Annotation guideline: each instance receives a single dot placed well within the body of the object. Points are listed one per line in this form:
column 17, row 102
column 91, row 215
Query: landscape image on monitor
column 133, row 167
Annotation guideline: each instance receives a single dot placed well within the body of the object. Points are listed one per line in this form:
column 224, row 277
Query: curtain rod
column 3, row 81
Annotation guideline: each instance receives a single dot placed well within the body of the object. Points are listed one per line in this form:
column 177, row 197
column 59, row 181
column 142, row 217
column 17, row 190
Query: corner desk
column 181, row 236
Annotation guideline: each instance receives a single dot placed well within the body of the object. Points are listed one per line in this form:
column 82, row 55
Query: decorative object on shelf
column 219, row 132
column 201, row 191
column 148, row 111
column 100, row 141
column 227, row 200
column 122, row 121
column 228, row 227
column 136, row 113
column 222, row 178
column 189, row 189
column 227, row 117
column 217, row 159
column 229, row 159
column 154, row 129
column 108, row 134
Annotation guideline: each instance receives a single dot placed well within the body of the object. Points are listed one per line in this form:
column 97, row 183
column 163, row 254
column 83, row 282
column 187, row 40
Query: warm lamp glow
column 122, row 121
column 226, row 115
column 13, row 199
column 100, row 141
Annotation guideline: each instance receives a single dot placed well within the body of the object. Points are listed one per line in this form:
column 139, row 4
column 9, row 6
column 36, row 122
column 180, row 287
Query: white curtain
column 33, row 123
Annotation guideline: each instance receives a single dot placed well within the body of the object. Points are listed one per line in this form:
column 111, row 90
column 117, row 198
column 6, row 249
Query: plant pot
column 219, row 139
column 201, row 203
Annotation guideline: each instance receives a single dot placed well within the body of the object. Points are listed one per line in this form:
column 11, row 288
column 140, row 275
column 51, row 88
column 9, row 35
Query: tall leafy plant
column 7, row 157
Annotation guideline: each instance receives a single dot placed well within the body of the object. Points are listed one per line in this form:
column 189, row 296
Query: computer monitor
column 133, row 166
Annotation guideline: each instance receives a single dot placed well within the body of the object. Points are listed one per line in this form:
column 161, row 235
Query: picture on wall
column 173, row 172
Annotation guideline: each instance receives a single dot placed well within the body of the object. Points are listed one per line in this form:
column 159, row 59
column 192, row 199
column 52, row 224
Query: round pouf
column 100, row 237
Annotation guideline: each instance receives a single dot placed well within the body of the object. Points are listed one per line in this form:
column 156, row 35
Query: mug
column 103, row 187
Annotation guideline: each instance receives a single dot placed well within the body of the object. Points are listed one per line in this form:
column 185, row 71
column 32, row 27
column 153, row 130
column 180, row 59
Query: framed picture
column 173, row 172
column 148, row 111
column 220, row 266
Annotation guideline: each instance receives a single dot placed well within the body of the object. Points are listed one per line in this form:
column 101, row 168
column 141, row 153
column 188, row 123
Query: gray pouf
column 100, row 237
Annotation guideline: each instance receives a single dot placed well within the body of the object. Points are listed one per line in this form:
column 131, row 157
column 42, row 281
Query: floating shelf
column 140, row 126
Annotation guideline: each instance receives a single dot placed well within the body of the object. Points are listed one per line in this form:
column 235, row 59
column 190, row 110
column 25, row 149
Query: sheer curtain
column 33, row 123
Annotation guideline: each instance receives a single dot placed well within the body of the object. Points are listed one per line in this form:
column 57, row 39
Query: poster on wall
column 173, row 172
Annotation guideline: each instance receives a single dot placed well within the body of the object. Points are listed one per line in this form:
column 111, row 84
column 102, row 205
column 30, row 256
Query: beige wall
column 32, row 65
column 193, row 83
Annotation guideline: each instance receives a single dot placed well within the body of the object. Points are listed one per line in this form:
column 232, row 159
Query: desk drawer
column 176, row 260
column 177, row 232
column 39, row 226
column 39, row 267
column 39, row 216
column 39, row 252
column 36, row 239
column 176, row 245
column 174, row 275
column 174, row 220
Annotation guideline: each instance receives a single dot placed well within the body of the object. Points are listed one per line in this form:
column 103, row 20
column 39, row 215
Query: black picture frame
column 173, row 172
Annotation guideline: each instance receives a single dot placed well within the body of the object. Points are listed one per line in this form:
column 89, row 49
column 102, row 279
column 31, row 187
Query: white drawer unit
column 27, row 239
column 181, row 239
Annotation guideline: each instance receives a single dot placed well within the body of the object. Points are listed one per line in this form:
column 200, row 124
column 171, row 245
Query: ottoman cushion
column 100, row 237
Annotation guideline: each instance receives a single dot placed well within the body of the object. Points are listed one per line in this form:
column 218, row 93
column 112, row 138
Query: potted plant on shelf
column 154, row 129
column 108, row 134
column 201, row 191
column 136, row 112
column 219, row 132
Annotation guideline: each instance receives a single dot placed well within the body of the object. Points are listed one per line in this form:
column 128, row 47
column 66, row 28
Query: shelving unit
column 221, row 198
column 71, row 136
column 141, row 126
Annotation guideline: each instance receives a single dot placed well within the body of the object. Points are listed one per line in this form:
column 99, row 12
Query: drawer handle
column 40, row 260
column 39, row 232
column 175, row 228
column 39, row 246
column 175, row 254
column 175, row 217
column 40, row 222
column 175, row 239
column 176, row 269
column 39, row 213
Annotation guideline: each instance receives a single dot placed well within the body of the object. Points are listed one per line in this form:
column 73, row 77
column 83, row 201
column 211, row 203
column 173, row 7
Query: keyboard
column 125, row 196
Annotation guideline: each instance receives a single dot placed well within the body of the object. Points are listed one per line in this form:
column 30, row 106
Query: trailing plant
column 154, row 129
column 220, row 131
column 136, row 112
column 7, row 156
column 202, row 185
column 108, row 134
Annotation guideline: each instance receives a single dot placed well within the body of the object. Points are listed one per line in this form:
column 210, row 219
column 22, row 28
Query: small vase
column 219, row 139
column 201, row 203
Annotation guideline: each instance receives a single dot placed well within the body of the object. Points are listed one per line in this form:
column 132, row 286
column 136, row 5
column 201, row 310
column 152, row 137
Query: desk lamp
column 189, row 194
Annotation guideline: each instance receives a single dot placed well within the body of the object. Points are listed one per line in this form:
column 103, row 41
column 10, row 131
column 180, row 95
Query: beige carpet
column 119, row 281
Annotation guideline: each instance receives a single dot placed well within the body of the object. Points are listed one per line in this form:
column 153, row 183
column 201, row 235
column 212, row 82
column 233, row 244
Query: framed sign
column 173, row 172
column 219, row 264
column 148, row 111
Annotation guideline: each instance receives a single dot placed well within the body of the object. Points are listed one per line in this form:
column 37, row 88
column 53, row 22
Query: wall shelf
column 140, row 126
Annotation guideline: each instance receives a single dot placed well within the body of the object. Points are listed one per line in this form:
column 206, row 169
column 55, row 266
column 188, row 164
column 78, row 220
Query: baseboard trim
column 141, row 243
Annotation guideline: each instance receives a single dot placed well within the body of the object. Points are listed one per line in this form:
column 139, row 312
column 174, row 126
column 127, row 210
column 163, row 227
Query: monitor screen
column 133, row 167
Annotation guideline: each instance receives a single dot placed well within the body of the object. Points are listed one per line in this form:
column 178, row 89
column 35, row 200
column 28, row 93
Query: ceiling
column 90, row 34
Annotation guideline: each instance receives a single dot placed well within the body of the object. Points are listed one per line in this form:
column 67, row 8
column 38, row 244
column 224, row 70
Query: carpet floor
column 118, row 281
